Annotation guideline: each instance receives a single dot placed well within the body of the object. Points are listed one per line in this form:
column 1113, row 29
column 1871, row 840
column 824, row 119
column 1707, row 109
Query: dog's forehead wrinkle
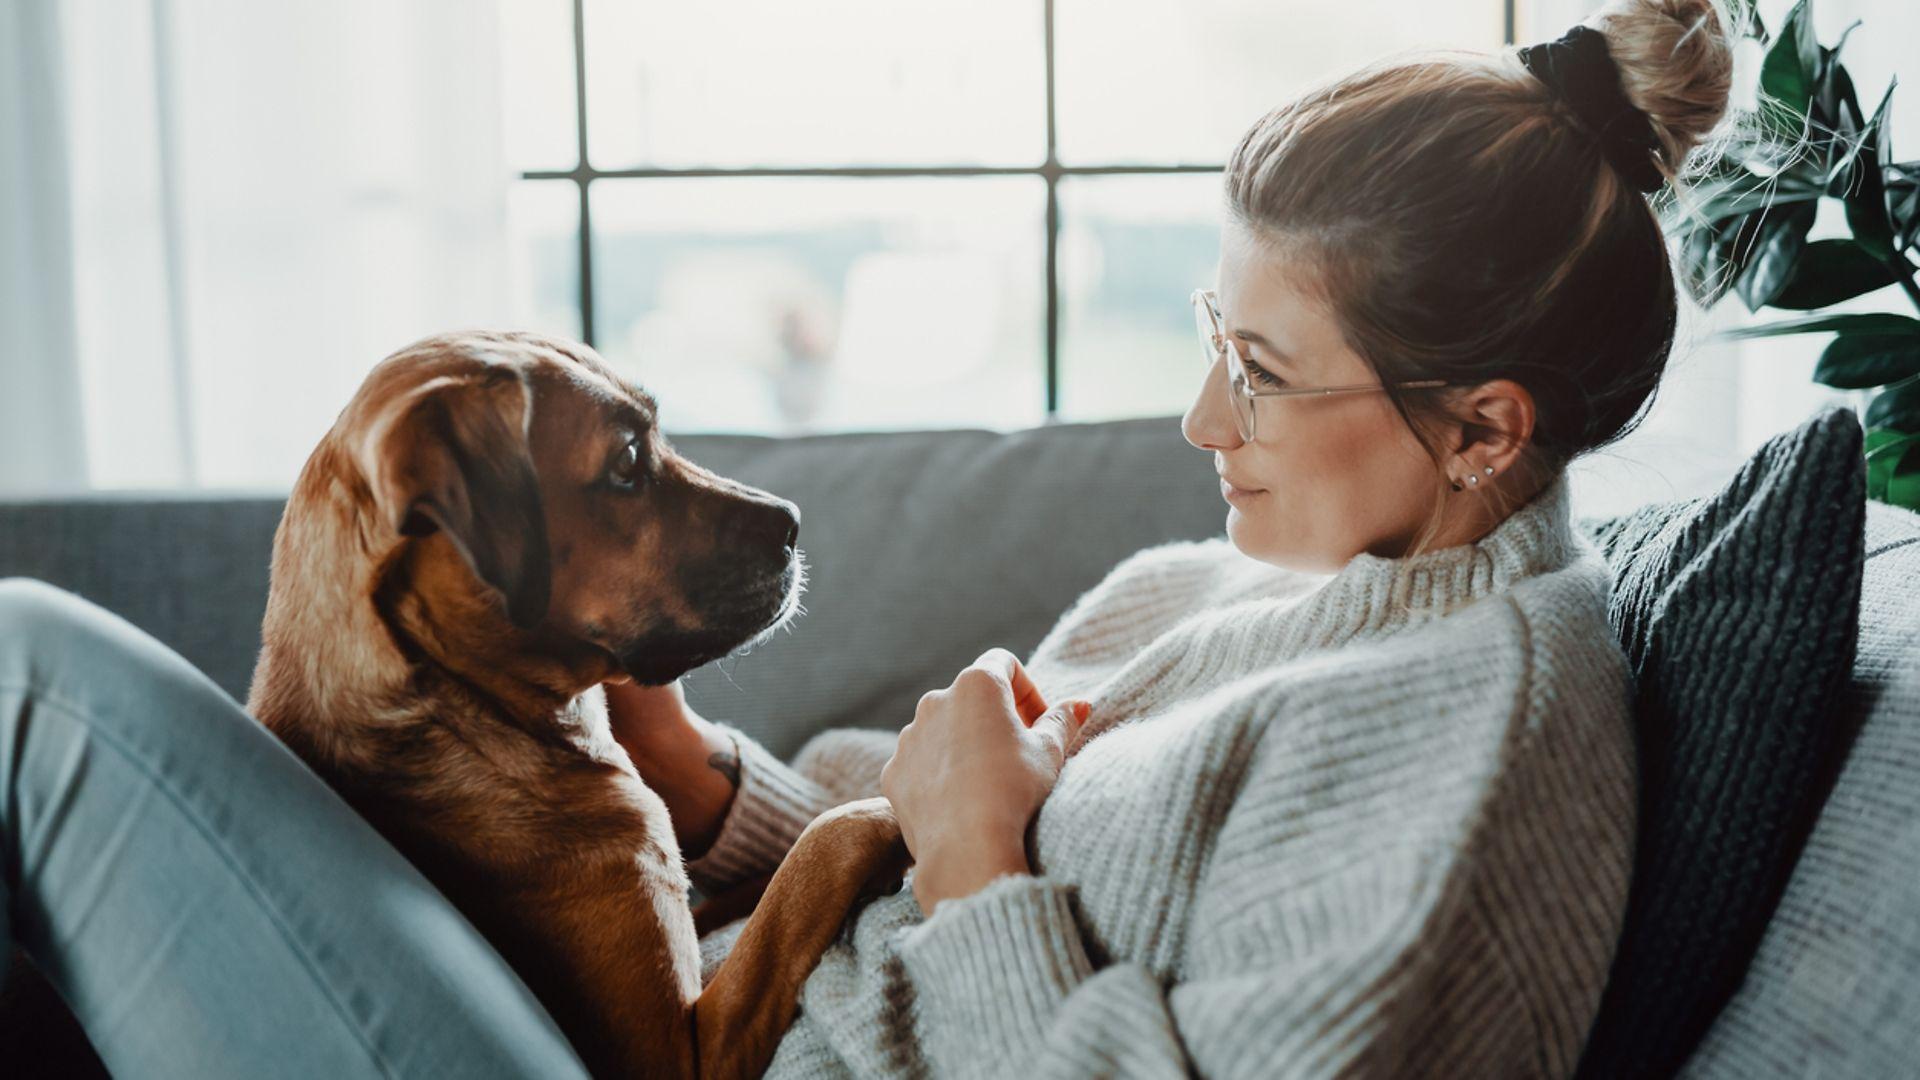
column 588, row 360
column 611, row 402
column 620, row 405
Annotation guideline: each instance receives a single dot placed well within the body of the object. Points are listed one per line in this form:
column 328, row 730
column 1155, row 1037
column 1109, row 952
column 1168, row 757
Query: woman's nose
column 1208, row 424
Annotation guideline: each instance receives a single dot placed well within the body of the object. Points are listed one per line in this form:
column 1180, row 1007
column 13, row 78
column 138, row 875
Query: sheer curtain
column 156, row 276
column 40, row 443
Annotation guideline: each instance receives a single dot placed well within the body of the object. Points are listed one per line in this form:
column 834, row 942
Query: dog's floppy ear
column 453, row 455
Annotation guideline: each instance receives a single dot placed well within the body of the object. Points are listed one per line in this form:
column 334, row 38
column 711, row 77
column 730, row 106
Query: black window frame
column 1050, row 170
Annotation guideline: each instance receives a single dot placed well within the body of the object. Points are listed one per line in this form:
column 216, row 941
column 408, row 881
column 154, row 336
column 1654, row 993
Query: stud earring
column 1473, row 479
column 1489, row 470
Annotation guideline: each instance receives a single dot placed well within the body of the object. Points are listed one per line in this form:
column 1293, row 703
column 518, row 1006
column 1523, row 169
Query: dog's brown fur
column 452, row 581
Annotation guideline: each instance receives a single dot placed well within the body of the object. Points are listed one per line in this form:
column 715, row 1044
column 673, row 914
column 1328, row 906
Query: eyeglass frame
column 1240, row 385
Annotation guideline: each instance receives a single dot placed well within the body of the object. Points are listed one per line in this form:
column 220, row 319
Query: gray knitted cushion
column 1738, row 614
column 1834, row 988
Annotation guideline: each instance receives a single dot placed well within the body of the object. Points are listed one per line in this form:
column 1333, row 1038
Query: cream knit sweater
column 1374, row 823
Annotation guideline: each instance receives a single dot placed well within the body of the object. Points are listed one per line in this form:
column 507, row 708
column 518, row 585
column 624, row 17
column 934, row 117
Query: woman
column 1355, row 792
column 1375, row 822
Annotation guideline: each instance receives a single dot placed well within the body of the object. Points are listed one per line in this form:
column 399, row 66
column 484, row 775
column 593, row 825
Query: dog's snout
column 773, row 523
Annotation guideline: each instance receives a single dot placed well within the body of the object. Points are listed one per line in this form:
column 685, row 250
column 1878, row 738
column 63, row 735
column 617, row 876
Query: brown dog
column 493, row 527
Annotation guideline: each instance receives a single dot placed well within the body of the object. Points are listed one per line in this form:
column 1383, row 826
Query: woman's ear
column 452, row 455
column 1494, row 421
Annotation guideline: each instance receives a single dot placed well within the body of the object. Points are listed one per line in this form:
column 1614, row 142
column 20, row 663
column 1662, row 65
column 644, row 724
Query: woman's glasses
column 1240, row 389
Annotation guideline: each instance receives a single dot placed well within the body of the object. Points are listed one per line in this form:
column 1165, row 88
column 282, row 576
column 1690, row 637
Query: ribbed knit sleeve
column 776, row 800
column 847, row 761
column 1002, row 960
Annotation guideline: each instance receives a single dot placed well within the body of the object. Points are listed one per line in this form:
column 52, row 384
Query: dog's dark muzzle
column 666, row 654
column 658, row 661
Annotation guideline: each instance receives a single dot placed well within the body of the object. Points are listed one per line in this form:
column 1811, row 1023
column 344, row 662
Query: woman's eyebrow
column 1249, row 335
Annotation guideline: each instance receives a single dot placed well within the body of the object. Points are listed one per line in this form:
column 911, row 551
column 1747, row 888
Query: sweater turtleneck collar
column 1249, row 615
column 1374, row 593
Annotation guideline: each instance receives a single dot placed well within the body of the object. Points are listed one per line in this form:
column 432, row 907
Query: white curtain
column 41, row 444
column 170, row 323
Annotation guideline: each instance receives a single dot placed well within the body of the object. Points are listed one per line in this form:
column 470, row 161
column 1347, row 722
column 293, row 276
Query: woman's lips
column 1232, row 492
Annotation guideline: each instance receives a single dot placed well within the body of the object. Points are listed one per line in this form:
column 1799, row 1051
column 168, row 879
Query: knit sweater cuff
column 993, row 967
column 772, row 806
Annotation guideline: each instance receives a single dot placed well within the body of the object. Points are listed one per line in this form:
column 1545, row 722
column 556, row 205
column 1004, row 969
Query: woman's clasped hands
column 971, row 770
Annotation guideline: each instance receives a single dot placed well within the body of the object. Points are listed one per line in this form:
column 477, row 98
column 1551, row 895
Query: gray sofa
column 928, row 547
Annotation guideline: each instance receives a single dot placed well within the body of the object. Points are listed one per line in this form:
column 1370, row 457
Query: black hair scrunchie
column 1580, row 70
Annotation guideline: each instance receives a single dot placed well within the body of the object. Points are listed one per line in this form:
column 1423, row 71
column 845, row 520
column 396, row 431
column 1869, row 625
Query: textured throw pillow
column 1738, row 613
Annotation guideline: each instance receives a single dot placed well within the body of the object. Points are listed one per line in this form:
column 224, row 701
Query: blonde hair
column 1460, row 222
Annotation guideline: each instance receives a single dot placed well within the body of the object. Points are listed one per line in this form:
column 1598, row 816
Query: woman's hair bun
column 1675, row 59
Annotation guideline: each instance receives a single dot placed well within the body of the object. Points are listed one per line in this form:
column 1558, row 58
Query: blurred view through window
column 843, row 215
column 850, row 214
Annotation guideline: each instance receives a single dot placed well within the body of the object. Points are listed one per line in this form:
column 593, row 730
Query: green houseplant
column 1742, row 227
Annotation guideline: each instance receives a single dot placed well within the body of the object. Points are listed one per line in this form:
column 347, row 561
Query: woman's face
column 1331, row 475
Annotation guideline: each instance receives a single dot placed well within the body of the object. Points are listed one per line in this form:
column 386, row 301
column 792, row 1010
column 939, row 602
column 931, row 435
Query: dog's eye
column 626, row 462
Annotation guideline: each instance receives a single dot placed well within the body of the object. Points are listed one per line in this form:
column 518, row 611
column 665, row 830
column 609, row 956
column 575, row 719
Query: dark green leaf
column 1903, row 206
column 1830, row 271
column 1744, row 193
column 1777, row 240
column 1714, row 257
column 1886, row 444
column 1893, row 454
column 1865, row 191
column 1788, row 72
column 1883, row 448
column 1699, row 265
column 1909, row 460
column 1737, row 210
column 1869, row 323
column 1860, row 361
column 1904, row 489
column 1893, row 466
column 1834, row 105
column 1894, row 199
column 1896, row 407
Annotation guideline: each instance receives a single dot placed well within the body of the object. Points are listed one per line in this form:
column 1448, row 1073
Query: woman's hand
column 971, row 770
column 689, row 762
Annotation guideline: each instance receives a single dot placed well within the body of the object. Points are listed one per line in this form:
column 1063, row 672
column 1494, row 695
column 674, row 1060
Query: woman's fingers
column 1027, row 699
column 1057, row 727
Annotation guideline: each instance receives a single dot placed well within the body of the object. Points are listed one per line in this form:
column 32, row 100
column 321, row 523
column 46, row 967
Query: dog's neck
column 383, row 632
column 441, row 625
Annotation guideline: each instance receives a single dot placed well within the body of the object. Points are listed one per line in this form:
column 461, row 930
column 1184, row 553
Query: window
column 859, row 214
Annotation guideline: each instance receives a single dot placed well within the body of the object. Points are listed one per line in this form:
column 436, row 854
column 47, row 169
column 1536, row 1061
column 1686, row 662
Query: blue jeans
column 206, row 904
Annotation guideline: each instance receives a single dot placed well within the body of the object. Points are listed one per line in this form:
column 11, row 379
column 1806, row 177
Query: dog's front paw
column 864, row 836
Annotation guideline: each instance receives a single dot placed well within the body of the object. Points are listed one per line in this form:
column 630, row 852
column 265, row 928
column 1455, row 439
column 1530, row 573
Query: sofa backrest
column 189, row 569
column 924, row 548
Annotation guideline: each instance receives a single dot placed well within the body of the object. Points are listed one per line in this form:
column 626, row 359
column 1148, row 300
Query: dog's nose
column 767, row 523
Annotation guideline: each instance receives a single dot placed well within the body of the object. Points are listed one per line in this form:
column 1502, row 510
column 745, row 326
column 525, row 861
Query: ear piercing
column 1475, row 480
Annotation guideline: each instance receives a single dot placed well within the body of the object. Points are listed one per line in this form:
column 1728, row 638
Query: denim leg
column 207, row 905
